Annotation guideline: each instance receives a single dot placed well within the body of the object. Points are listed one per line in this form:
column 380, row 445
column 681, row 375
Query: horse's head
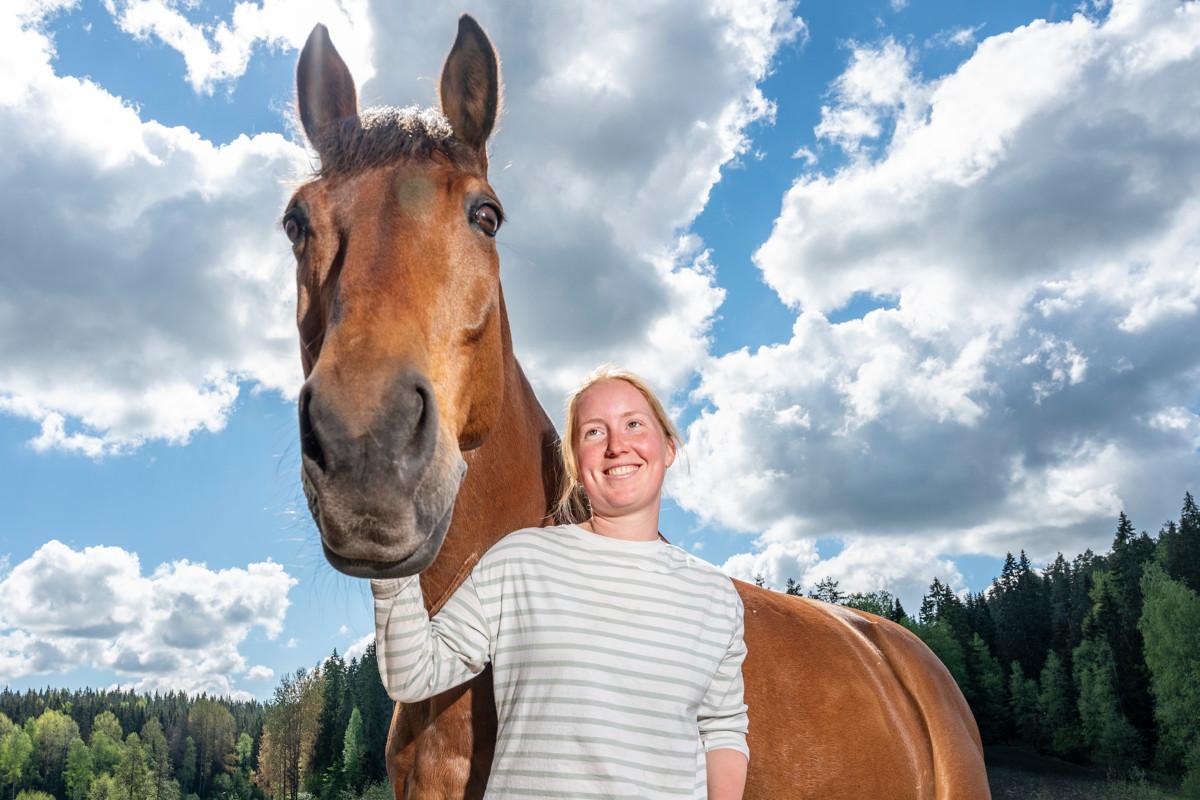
column 402, row 328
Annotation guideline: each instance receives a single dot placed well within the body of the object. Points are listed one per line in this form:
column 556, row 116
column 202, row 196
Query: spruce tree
column 1181, row 556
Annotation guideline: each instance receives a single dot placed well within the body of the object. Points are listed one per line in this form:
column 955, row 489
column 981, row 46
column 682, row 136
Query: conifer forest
column 1095, row 660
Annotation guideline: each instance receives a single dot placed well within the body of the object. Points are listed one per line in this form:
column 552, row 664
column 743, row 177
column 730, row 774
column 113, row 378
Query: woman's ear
column 670, row 451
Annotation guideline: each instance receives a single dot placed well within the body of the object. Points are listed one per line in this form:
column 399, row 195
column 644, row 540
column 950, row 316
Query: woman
column 616, row 656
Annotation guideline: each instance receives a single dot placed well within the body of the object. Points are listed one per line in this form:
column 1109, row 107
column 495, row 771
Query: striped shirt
column 616, row 664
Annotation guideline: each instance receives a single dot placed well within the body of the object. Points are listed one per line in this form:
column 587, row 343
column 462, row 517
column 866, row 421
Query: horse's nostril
column 310, row 445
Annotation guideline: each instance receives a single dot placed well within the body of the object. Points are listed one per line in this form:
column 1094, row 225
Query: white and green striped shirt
column 616, row 664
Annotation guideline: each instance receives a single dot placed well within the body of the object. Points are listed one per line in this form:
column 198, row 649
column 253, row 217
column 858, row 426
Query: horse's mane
column 383, row 134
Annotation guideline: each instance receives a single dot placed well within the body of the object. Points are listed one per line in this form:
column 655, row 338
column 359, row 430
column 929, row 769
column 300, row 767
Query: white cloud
column 144, row 275
column 260, row 673
column 179, row 627
column 220, row 50
column 1029, row 223
column 147, row 280
column 955, row 37
column 358, row 646
column 615, row 128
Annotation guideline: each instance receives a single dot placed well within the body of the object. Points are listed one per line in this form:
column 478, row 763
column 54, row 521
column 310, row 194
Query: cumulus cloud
column 219, row 51
column 144, row 275
column 178, row 628
column 1028, row 227
column 146, row 281
column 616, row 125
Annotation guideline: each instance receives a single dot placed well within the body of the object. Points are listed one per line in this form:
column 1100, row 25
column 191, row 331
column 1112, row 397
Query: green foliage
column 1170, row 625
column 1106, row 732
column 16, row 756
column 354, row 751
column 79, row 774
column 827, row 591
column 104, row 788
column 212, row 727
column 985, row 691
column 939, row 638
column 53, row 732
column 133, row 774
column 187, row 765
column 1058, row 718
column 1023, row 703
column 106, row 722
column 880, row 603
column 34, row 795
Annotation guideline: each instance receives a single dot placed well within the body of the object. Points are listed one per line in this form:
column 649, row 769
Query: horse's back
column 846, row 704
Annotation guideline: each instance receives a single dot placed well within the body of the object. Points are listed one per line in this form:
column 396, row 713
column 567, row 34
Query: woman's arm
column 724, row 721
column 418, row 656
column 726, row 773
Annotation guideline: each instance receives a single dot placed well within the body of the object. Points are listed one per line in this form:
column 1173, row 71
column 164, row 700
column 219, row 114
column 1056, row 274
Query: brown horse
column 423, row 443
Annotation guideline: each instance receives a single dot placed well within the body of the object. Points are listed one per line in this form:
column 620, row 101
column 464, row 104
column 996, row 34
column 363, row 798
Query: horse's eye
column 487, row 218
column 293, row 226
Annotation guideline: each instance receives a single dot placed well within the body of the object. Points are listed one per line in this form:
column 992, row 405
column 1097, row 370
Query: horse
column 422, row 443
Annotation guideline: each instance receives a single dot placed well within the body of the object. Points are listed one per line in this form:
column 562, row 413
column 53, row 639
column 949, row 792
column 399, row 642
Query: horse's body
column 411, row 378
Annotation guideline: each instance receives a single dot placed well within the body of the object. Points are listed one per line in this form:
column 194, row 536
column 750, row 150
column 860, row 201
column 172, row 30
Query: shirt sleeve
column 418, row 656
column 722, row 715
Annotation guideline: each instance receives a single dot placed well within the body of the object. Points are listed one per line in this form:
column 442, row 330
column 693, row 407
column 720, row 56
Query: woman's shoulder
column 523, row 540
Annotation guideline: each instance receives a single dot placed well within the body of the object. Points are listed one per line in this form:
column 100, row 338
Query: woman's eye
column 588, row 433
column 487, row 218
column 637, row 422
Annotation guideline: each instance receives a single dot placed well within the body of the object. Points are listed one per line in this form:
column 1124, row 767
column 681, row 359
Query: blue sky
column 907, row 348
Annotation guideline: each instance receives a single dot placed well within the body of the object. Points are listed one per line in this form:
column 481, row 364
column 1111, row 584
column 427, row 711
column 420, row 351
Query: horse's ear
column 324, row 88
column 470, row 87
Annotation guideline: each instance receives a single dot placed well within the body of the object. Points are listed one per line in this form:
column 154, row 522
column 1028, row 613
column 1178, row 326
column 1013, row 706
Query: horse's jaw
column 395, row 535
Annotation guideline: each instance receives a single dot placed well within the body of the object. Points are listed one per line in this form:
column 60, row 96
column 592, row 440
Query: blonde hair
column 572, row 504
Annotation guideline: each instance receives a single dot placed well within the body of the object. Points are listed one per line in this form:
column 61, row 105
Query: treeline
column 323, row 733
column 1096, row 660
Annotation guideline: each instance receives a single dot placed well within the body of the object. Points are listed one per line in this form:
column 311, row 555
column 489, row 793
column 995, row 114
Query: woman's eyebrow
column 597, row 419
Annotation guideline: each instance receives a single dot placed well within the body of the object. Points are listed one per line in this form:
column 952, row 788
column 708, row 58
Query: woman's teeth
column 617, row 472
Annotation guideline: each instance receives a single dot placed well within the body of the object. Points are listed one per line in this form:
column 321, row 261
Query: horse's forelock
column 384, row 134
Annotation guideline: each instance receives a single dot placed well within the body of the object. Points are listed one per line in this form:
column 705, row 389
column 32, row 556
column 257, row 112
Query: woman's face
column 622, row 451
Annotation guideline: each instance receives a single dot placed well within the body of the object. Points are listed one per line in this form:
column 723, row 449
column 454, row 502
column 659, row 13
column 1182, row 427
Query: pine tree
column 792, row 588
column 827, row 591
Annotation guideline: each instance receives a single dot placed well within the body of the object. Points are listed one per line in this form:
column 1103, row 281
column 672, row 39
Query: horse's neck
column 511, row 483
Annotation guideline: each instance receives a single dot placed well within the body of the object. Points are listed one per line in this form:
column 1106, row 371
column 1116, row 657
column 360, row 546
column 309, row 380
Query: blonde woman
column 616, row 656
